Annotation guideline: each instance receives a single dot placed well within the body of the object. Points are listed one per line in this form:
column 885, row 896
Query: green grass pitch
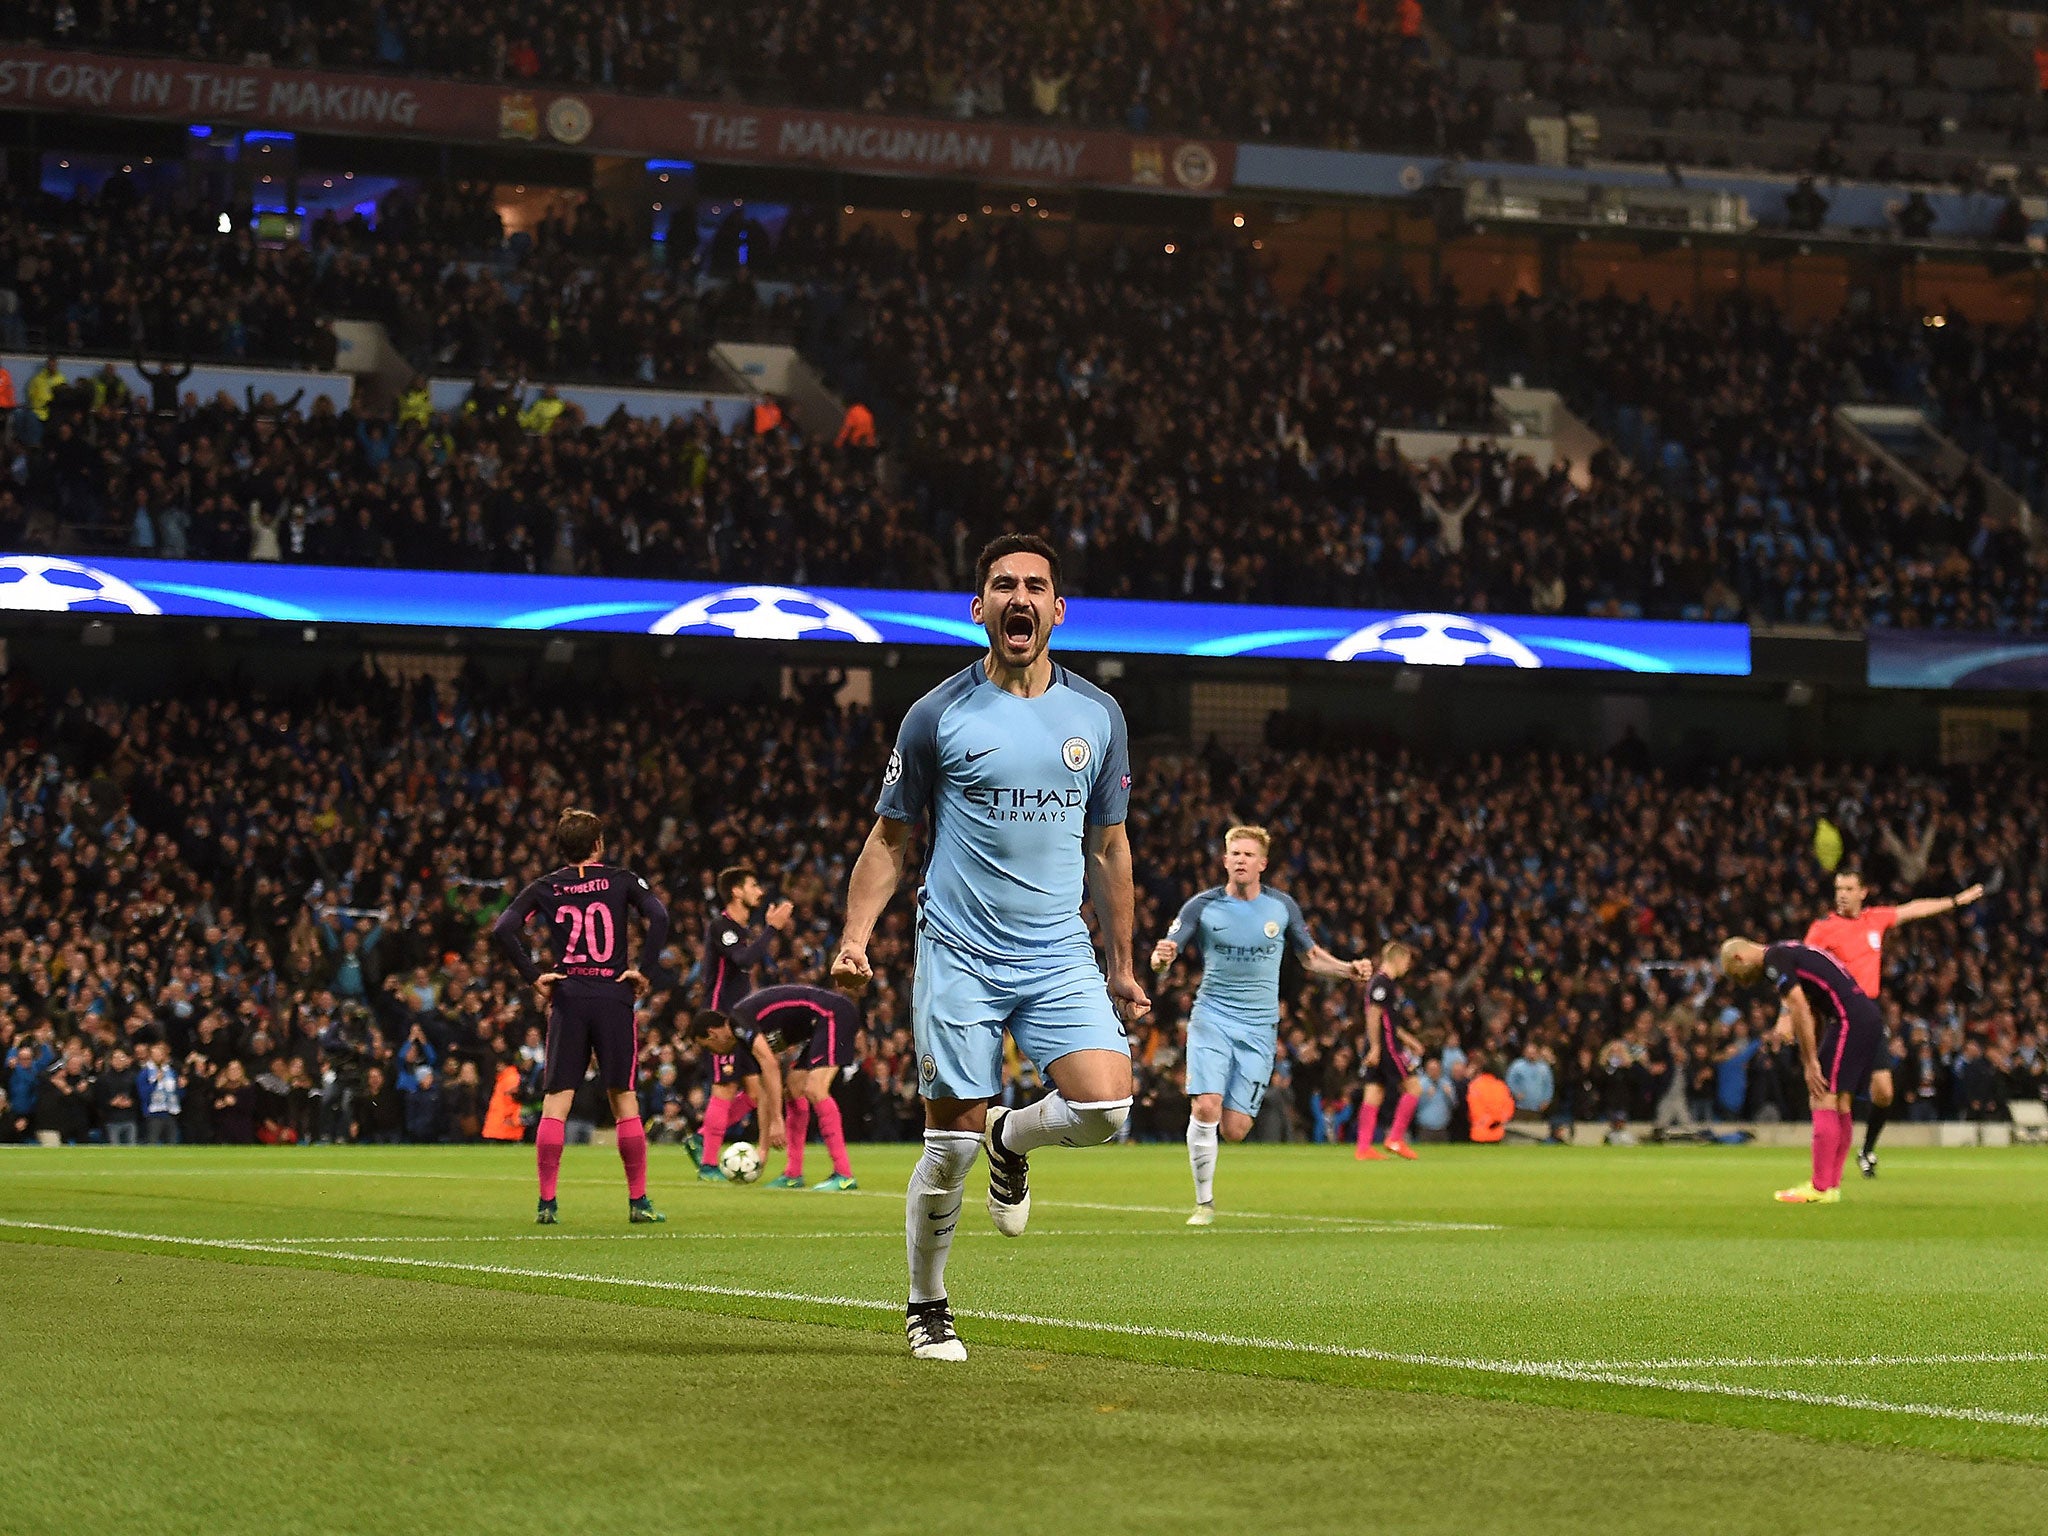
column 1516, row 1339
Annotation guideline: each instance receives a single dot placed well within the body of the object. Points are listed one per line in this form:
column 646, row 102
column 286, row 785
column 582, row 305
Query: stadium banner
column 1924, row 658
column 603, row 122
column 302, row 594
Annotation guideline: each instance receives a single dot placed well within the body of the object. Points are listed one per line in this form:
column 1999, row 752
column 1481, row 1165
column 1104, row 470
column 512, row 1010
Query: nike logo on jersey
column 984, row 752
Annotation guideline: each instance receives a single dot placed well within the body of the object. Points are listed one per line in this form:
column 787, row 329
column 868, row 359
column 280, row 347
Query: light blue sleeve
column 1187, row 928
column 1109, row 793
column 913, row 769
column 1297, row 925
column 1109, row 801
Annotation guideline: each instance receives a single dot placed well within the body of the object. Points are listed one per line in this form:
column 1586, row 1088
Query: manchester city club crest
column 930, row 1069
column 1076, row 753
column 1272, row 930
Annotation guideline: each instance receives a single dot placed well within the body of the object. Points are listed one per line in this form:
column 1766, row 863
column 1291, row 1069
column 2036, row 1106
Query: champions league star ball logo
column 766, row 613
column 45, row 584
column 1434, row 640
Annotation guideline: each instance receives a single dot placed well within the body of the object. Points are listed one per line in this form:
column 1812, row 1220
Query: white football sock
column 932, row 1208
column 1055, row 1121
column 1202, row 1158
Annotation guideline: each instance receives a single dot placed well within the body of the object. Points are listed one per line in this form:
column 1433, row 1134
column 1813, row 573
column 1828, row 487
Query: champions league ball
column 740, row 1162
column 766, row 613
column 1434, row 640
column 46, row 584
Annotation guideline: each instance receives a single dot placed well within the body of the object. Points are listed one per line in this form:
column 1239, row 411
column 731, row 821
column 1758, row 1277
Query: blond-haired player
column 1242, row 929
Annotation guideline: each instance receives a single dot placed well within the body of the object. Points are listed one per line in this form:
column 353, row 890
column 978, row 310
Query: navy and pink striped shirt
column 1829, row 988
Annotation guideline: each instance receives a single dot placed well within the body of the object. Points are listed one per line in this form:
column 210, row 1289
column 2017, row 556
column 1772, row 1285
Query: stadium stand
column 1173, row 422
column 294, row 891
column 1354, row 75
column 1892, row 92
column 571, row 299
column 1884, row 91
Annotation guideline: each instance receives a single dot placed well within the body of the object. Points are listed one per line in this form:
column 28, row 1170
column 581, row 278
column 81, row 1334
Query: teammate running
column 731, row 961
column 1024, row 770
column 1854, row 935
column 820, row 1023
column 1838, row 1031
column 589, row 995
column 1392, row 1059
column 1242, row 930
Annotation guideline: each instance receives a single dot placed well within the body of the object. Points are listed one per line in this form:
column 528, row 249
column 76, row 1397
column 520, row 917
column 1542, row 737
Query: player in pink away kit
column 589, row 994
column 819, row 1024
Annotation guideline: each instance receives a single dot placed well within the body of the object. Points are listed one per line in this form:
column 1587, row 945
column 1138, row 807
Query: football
column 740, row 1162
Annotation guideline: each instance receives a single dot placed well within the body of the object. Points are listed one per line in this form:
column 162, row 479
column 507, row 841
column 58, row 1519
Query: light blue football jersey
column 1010, row 785
column 1242, row 944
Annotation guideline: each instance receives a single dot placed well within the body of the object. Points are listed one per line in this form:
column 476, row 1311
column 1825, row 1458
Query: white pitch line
column 1816, row 1362
column 1378, row 1223
column 1539, row 1369
column 1182, row 1233
column 237, row 1173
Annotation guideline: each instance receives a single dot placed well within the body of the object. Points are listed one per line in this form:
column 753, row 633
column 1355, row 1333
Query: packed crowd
column 1784, row 86
column 1178, row 428
column 1744, row 499
column 246, row 921
column 575, row 297
column 226, row 918
column 118, row 274
column 497, row 485
column 1562, row 906
column 1092, row 412
column 1355, row 75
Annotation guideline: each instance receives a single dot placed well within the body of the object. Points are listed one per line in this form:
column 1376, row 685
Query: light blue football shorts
column 960, row 1004
column 1230, row 1058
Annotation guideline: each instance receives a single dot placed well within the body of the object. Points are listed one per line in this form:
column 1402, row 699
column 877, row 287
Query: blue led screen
column 1940, row 658
column 1116, row 626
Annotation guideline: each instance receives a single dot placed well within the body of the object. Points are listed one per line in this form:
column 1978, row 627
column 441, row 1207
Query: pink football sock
column 1404, row 1111
column 1826, row 1130
column 1368, row 1122
column 548, row 1137
column 796, row 1121
column 1845, row 1139
column 717, row 1116
column 833, row 1129
column 633, row 1153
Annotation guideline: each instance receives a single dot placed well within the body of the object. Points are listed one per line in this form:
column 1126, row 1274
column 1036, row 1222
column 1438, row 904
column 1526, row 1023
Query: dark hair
column 1851, row 867
column 1015, row 544
column 706, row 1020
column 577, row 835
column 730, row 880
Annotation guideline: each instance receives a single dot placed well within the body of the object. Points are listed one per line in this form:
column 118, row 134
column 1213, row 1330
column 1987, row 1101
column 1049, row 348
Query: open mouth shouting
column 1019, row 632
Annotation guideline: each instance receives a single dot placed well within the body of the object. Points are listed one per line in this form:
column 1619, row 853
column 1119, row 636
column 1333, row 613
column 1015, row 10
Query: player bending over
column 1024, row 770
column 1854, row 935
column 1838, row 1031
column 589, row 994
column 749, row 1055
column 1393, row 1059
column 1242, row 930
column 820, row 1023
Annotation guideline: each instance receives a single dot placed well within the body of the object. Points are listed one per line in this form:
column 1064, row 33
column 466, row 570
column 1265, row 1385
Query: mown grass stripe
column 1594, row 1374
